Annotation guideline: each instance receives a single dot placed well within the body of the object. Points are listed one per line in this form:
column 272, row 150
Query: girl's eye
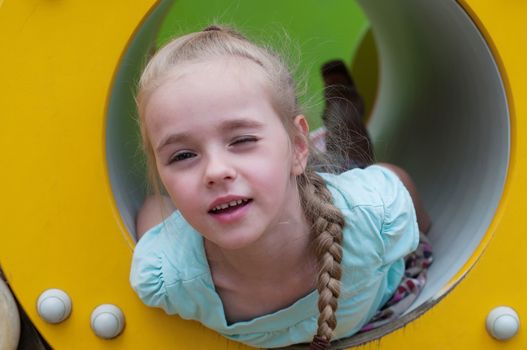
column 181, row 156
column 243, row 140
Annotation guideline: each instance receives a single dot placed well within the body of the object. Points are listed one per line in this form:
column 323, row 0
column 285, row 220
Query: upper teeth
column 230, row 204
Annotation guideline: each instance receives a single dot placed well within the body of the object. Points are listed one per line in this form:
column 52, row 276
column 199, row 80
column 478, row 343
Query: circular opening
column 441, row 113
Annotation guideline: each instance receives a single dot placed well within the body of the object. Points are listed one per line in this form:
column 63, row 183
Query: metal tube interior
column 441, row 113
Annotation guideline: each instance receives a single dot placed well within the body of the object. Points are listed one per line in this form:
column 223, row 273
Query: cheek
column 273, row 172
column 178, row 187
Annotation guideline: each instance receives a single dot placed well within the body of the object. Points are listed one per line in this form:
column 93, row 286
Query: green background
column 307, row 33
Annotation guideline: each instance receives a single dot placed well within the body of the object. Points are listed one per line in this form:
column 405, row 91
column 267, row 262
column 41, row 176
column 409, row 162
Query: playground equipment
column 450, row 109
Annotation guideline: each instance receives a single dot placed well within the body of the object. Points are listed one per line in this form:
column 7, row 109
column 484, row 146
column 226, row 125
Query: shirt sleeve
column 399, row 231
column 147, row 275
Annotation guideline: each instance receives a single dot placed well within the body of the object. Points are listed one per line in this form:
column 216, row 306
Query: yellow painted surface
column 60, row 226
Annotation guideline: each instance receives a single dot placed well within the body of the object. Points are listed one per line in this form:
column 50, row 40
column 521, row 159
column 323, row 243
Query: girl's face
column 223, row 153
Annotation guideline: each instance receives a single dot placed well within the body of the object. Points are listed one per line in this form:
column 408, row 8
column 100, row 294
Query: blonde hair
column 327, row 221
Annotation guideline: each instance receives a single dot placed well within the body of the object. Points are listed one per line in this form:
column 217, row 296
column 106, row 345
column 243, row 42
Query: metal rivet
column 54, row 305
column 107, row 321
column 503, row 323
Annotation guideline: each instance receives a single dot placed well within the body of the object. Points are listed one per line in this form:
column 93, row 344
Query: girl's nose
column 218, row 170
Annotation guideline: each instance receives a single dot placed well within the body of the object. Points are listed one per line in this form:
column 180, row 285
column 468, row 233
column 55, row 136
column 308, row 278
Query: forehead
column 224, row 87
column 215, row 72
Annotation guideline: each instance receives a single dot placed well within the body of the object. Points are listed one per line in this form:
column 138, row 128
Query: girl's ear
column 300, row 145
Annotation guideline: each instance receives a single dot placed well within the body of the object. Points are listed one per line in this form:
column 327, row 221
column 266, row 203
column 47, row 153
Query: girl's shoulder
column 372, row 186
column 169, row 265
column 380, row 220
column 380, row 229
column 179, row 246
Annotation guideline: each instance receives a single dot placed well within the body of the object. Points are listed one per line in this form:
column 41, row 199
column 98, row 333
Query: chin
column 232, row 245
column 235, row 244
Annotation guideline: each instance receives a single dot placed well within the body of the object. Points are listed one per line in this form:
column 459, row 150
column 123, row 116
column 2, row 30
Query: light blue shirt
column 170, row 269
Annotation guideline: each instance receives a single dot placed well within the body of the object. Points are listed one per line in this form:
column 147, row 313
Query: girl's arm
column 153, row 211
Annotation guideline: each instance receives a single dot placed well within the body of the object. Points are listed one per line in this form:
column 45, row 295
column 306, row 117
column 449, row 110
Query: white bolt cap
column 503, row 323
column 54, row 305
column 107, row 321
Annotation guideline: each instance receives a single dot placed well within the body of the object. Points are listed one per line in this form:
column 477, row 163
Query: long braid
column 327, row 225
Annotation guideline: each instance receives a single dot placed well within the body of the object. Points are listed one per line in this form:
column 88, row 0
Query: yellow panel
column 61, row 228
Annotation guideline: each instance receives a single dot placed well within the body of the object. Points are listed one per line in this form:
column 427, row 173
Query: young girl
column 261, row 248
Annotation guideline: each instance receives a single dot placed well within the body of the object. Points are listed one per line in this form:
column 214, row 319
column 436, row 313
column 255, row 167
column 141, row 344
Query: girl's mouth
column 230, row 207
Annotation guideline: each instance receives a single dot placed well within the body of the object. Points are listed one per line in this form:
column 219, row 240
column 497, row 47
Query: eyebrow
column 227, row 126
